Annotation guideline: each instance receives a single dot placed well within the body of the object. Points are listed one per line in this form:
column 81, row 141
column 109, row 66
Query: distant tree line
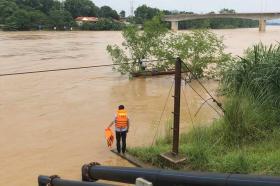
column 48, row 14
column 144, row 13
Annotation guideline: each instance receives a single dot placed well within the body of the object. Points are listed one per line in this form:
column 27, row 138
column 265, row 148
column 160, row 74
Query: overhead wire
column 205, row 100
column 161, row 115
column 75, row 68
column 201, row 84
column 201, row 106
column 188, row 108
column 59, row 69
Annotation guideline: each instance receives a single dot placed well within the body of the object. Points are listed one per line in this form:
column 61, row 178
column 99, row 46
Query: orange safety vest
column 121, row 119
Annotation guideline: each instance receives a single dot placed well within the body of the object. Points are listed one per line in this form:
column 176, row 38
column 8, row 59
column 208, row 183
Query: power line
column 205, row 101
column 188, row 108
column 196, row 78
column 166, row 101
column 75, row 68
column 61, row 69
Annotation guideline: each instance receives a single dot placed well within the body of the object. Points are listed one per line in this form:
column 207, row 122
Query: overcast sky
column 198, row 6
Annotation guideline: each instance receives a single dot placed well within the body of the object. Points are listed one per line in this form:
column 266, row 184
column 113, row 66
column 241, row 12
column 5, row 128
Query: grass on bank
column 206, row 151
column 247, row 138
column 220, row 148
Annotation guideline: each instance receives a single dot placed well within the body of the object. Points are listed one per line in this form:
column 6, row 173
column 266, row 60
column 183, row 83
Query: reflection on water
column 53, row 123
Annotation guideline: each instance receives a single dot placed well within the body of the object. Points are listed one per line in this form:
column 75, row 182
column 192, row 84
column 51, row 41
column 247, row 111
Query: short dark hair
column 121, row 107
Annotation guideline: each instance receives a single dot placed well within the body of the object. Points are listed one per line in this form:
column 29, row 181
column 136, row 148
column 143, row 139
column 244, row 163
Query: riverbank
column 205, row 152
column 246, row 139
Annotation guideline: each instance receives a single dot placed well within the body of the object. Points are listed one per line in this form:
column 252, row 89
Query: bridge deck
column 254, row 16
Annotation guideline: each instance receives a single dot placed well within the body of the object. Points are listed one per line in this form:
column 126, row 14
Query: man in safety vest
column 121, row 122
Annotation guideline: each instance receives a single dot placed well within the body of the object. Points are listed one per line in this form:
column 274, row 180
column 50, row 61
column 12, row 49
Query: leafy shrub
column 201, row 50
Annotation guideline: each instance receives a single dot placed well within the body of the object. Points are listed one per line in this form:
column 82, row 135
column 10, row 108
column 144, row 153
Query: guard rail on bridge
column 262, row 17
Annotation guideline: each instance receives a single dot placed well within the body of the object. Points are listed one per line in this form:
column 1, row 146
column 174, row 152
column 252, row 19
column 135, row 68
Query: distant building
column 81, row 20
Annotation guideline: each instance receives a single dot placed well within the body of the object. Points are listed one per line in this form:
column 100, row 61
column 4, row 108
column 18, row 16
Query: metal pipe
column 45, row 180
column 175, row 178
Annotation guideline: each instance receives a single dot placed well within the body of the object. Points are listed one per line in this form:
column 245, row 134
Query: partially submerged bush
column 201, row 50
column 137, row 46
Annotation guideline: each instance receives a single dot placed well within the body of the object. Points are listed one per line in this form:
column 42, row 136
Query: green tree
column 122, row 14
column 201, row 50
column 108, row 12
column 143, row 13
column 47, row 6
column 138, row 43
column 43, row 5
column 38, row 19
column 81, row 8
column 57, row 5
column 34, row 14
column 7, row 9
column 20, row 20
column 61, row 18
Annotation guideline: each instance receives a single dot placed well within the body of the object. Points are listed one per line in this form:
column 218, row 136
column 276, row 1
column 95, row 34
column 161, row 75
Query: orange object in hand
column 109, row 137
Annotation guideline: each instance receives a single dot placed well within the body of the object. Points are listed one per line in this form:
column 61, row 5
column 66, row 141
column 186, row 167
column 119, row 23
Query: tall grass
column 256, row 74
column 252, row 84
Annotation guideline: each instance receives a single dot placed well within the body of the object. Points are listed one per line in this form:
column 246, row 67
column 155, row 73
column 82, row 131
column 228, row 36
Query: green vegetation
column 247, row 138
column 144, row 13
column 103, row 24
column 140, row 45
column 200, row 49
column 47, row 14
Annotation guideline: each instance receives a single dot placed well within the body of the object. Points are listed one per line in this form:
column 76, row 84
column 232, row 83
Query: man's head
column 121, row 107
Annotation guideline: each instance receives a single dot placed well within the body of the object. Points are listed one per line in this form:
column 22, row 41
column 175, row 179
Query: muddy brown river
column 53, row 123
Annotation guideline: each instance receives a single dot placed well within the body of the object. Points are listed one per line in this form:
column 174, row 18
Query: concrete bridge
column 261, row 17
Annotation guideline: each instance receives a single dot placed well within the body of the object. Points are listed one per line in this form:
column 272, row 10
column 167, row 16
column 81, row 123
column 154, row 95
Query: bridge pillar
column 174, row 26
column 262, row 25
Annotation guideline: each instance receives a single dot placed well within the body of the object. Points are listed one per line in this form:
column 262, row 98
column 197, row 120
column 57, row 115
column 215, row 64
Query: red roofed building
column 81, row 20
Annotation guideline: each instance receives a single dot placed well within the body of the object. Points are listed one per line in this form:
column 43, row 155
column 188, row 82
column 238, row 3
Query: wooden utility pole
column 177, row 97
column 174, row 155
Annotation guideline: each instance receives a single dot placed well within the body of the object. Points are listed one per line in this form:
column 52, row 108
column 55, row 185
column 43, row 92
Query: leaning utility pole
column 174, row 156
column 177, row 98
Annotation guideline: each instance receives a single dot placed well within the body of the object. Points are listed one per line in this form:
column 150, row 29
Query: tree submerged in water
column 201, row 50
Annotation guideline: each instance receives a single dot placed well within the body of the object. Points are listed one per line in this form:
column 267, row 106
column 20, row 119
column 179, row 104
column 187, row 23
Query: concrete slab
column 131, row 159
column 175, row 159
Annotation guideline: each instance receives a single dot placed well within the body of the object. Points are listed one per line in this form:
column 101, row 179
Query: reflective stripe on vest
column 121, row 119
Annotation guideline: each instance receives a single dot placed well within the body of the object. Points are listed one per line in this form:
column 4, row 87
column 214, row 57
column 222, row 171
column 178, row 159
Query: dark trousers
column 121, row 136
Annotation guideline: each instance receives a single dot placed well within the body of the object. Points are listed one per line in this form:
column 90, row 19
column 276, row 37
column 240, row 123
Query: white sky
column 198, row 6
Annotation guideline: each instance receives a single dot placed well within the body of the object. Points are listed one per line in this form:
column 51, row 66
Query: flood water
column 53, row 123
